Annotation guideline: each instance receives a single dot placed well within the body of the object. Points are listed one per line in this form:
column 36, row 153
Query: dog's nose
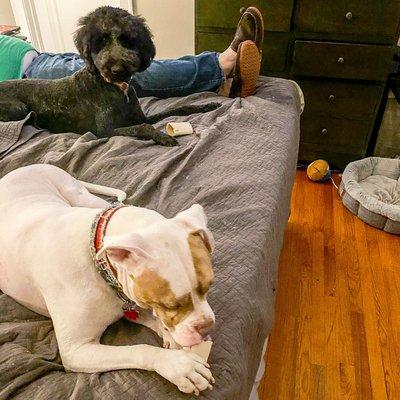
column 204, row 326
column 117, row 69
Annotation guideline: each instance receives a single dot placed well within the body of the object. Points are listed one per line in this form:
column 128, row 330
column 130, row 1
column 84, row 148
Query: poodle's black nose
column 117, row 69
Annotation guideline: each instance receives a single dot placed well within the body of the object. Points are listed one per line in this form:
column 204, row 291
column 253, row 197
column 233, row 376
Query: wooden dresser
column 339, row 51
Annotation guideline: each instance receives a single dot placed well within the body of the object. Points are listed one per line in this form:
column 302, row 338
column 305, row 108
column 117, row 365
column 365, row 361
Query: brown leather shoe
column 246, row 71
column 249, row 27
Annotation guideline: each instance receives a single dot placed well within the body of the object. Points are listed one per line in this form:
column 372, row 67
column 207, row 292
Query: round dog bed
column 370, row 189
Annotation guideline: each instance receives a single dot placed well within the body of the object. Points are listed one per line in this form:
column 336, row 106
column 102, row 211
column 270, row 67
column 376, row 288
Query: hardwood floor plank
column 347, row 382
column 361, row 362
column 318, row 380
column 371, row 302
column 381, row 294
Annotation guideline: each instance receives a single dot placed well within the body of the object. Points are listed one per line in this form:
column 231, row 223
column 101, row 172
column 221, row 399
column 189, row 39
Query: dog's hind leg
column 105, row 190
column 77, row 194
column 182, row 111
column 13, row 110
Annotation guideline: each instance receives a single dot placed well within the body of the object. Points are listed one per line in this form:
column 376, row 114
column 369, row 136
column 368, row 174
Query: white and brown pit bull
column 47, row 227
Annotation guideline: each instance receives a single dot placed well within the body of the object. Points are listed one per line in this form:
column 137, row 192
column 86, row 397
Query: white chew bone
column 202, row 349
column 179, row 128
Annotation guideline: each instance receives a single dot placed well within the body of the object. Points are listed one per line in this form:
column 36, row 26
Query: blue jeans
column 164, row 78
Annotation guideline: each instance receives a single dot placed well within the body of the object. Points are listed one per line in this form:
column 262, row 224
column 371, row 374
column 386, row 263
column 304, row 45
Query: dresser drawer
column 372, row 17
column 226, row 14
column 340, row 100
column 337, row 158
column 274, row 49
column 342, row 60
column 335, row 132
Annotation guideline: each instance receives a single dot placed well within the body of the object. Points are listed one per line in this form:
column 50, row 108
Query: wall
column 172, row 24
column 53, row 22
column 6, row 13
column 57, row 21
column 171, row 21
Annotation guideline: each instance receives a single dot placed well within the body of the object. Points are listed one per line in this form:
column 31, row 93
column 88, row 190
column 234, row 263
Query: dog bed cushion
column 370, row 189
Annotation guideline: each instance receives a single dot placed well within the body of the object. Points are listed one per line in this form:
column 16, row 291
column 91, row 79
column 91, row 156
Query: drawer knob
column 324, row 131
column 340, row 60
column 331, row 97
column 349, row 16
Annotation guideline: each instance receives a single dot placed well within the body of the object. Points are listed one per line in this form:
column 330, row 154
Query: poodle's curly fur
column 114, row 45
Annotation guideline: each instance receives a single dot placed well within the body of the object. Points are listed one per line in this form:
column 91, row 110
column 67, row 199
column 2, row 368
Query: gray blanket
column 240, row 166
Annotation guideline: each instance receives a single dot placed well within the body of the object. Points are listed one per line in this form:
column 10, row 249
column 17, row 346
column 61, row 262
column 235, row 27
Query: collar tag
column 132, row 315
column 131, row 310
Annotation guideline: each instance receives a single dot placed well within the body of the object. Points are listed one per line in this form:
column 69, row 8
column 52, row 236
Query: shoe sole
column 248, row 67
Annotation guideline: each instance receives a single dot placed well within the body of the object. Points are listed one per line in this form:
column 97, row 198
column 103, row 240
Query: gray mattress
column 240, row 167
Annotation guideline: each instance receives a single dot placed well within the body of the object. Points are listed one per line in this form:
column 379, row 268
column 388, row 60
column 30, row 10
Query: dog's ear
column 120, row 247
column 195, row 221
column 145, row 43
column 82, row 39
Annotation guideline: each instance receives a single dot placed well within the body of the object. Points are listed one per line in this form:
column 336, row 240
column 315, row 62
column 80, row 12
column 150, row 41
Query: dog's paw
column 211, row 107
column 185, row 370
column 165, row 140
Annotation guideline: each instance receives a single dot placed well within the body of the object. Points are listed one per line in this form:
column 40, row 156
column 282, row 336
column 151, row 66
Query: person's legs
column 181, row 77
column 164, row 78
column 227, row 60
column 207, row 71
column 54, row 66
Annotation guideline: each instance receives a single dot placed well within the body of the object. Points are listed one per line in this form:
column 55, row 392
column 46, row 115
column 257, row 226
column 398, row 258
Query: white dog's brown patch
column 202, row 263
column 155, row 291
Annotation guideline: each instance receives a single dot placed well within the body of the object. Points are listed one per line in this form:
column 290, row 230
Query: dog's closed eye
column 178, row 303
column 171, row 307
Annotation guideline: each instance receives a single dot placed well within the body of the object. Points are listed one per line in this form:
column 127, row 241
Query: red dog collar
column 104, row 267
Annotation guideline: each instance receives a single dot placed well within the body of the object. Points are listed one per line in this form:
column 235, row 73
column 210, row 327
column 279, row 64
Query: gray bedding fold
column 12, row 134
column 240, row 166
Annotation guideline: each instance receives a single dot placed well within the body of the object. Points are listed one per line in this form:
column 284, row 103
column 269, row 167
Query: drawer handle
column 331, row 97
column 324, row 131
column 349, row 16
column 340, row 60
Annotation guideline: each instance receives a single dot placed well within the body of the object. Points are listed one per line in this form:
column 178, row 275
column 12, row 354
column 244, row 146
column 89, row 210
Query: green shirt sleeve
column 12, row 52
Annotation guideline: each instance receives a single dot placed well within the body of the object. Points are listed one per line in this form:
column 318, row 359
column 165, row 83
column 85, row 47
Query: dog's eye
column 101, row 41
column 126, row 41
column 171, row 307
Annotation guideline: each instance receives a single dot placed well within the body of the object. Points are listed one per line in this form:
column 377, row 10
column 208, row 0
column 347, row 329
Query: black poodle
column 114, row 45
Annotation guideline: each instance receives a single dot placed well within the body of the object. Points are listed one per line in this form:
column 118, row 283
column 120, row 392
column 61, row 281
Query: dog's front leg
column 184, row 369
column 78, row 331
column 105, row 128
column 146, row 132
column 146, row 318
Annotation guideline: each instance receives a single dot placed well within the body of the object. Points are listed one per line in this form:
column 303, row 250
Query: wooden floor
column 337, row 326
